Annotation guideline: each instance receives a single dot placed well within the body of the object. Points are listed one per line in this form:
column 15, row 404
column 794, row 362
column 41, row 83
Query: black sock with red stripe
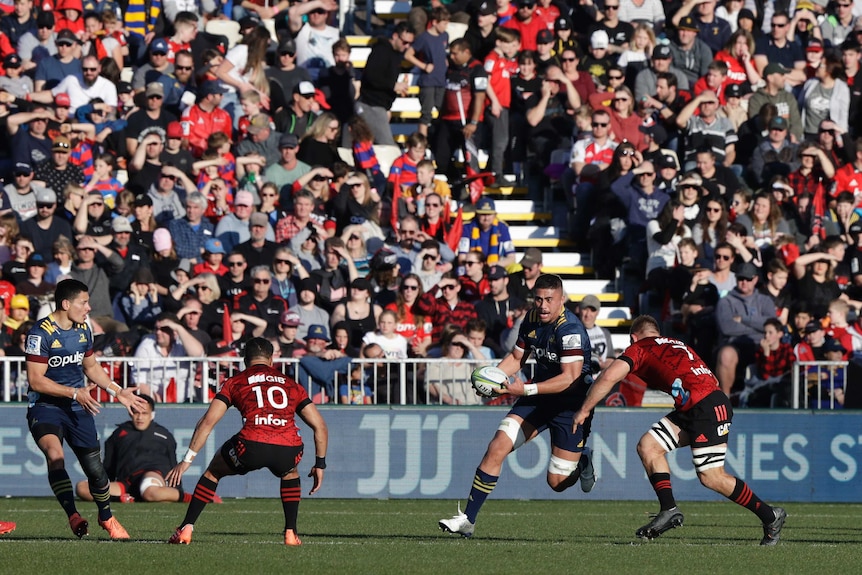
column 291, row 493
column 661, row 483
column 744, row 496
column 204, row 493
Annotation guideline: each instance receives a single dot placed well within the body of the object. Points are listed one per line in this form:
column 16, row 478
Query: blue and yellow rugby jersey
column 64, row 352
column 564, row 340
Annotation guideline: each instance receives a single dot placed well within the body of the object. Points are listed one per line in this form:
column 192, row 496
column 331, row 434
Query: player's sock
column 204, row 493
column 102, row 497
column 483, row 485
column 291, row 493
column 744, row 496
column 185, row 497
column 663, row 490
column 61, row 485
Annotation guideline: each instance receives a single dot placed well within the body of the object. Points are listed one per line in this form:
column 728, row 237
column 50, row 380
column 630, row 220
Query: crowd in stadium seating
column 709, row 154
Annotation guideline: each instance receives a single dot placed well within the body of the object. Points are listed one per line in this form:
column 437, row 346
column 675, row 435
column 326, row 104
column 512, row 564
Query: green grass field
column 401, row 537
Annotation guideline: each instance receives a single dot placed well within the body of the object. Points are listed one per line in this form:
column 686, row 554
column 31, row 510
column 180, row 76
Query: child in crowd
column 428, row 54
column 501, row 66
column 774, row 360
column 103, row 179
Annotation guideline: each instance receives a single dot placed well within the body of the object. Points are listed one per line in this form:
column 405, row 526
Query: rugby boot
column 79, row 525
column 458, row 524
column 664, row 521
column 114, row 529
column 291, row 538
column 588, row 472
column 772, row 531
column 183, row 535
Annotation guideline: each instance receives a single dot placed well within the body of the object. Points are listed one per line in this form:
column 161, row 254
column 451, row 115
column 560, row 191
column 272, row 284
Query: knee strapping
column 513, row 431
column 91, row 463
column 710, row 457
column 665, row 434
column 560, row 466
column 148, row 482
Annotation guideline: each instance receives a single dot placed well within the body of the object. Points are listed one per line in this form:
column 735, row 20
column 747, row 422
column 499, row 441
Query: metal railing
column 196, row 380
column 818, row 384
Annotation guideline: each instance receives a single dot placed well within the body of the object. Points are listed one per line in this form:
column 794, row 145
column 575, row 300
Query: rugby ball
column 489, row 380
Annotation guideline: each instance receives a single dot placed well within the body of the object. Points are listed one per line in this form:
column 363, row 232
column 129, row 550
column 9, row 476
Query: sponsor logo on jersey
column 269, row 419
column 532, row 334
column 572, row 341
column 82, row 338
column 261, row 378
column 723, row 429
column 34, row 342
column 56, row 344
column 64, row 360
column 539, row 353
column 701, row 439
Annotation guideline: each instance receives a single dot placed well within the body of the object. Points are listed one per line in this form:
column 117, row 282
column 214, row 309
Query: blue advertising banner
column 433, row 453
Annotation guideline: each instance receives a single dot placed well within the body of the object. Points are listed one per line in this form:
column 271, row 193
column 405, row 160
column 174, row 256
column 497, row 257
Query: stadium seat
column 386, row 155
column 346, row 156
column 227, row 28
column 456, row 30
column 269, row 23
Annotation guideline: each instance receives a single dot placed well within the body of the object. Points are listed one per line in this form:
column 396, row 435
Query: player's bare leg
column 512, row 433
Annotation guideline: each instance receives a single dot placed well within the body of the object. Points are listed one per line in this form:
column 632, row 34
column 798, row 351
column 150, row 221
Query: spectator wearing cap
column 774, row 93
column 480, row 34
column 380, row 84
column 619, row 32
column 262, row 141
column 690, row 53
column 157, row 65
column 35, row 284
column 211, row 260
column 712, row 30
column 285, row 73
column 642, row 202
column 289, row 169
column 598, row 60
column 174, row 153
column 50, row 71
column 19, row 196
column 314, row 38
column 287, row 341
column 498, row 309
column 259, row 249
column 234, row 228
column 309, row 313
column 46, row 227
column 140, row 302
column 445, row 309
column 707, row 129
column 601, row 342
column 521, row 282
column 733, row 109
column 93, row 219
column 35, row 42
column 59, row 172
column 667, row 165
column 152, row 115
column 19, row 312
column 775, row 155
column 488, row 235
column 135, row 256
column 740, row 316
column 826, row 88
column 321, row 365
column 260, row 301
column 778, row 49
column 661, row 61
column 15, row 82
column 298, row 115
column 191, row 231
column 206, row 117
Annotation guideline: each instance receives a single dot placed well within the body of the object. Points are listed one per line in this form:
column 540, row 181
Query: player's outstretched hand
column 86, row 400
column 317, row 474
column 175, row 475
column 134, row 403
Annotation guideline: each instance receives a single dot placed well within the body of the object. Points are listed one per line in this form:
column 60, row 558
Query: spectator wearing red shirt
column 446, row 309
column 501, row 65
column 526, row 22
column 205, row 117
